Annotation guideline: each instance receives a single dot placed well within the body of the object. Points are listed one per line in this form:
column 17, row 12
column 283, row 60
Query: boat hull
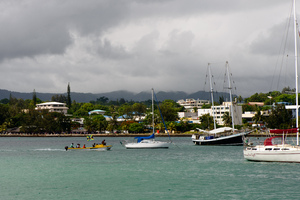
column 231, row 140
column 147, row 145
column 292, row 155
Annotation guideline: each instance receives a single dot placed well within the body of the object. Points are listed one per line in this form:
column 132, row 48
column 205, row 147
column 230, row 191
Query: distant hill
column 116, row 95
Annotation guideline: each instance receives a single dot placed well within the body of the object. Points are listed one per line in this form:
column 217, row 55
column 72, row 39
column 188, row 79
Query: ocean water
column 40, row 168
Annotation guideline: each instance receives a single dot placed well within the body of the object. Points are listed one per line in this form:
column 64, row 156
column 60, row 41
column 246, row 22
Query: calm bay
column 40, row 168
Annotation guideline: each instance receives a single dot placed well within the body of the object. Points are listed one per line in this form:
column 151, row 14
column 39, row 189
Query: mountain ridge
column 81, row 97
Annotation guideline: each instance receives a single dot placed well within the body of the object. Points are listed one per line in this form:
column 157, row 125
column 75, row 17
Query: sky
column 135, row 45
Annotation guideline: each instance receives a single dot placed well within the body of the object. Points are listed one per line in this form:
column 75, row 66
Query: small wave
column 49, row 149
column 7, row 150
column 99, row 149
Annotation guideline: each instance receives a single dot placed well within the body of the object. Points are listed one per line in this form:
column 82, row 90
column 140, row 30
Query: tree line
column 22, row 114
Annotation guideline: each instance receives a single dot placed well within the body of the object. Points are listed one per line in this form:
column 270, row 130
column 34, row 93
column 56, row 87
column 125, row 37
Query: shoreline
column 85, row 135
column 121, row 135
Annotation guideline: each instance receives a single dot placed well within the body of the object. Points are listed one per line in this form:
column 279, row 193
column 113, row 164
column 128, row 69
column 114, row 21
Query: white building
column 98, row 112
column 293, row 108
column 80, row 121
column 190, row 104
column 188, row 116
column 53, row 107
column 218, row 112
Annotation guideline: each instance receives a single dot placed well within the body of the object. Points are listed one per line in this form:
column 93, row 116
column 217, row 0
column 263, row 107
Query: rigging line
column 162, row 116
column 286, row 69
column 283, row 53
column 206, row 76
column 282, row 47
column 233, row 85
column 225, row 84
column 218, row 79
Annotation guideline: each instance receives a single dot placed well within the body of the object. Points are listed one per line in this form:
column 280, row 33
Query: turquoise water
column 40, row 168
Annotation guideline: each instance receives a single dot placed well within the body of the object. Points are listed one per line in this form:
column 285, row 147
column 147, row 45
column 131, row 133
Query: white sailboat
column 147, row 142
column 224, row 135
column 283, row 152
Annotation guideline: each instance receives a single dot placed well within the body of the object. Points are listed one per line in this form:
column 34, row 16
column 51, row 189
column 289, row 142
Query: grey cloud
column 30, row 28
column 276, row 40
column 37, row 37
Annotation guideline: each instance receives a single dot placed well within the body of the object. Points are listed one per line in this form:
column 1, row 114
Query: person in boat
column 83, row 146
column 72, row 145
column 78, row 146
column 103, row 142
column 94, row 144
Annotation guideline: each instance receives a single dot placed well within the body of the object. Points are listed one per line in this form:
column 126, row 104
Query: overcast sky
column 135, row 45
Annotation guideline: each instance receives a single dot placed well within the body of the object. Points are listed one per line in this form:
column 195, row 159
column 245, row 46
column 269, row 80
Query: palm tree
column 257, row 117
column 227, row 119
column 240, row 99
column 171, row 127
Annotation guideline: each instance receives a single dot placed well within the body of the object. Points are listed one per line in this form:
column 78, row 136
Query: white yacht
column 148, row 142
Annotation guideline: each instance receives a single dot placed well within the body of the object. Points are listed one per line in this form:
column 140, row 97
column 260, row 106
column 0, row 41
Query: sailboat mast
column 230, row 94
column 212, row 95
column 296, row 71
column 152, row 112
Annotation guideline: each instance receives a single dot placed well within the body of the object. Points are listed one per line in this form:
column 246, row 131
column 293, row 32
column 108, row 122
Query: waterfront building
column 98, row 112
column 53, row 107
column 190, row 104
column 190, row 117
column 219, row 111
column 248, row 116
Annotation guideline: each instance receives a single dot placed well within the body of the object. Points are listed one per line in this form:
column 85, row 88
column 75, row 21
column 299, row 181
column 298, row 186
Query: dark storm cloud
column 30, row 28
column 105, row 45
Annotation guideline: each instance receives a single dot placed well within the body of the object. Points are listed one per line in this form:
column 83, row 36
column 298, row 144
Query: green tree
column 261, row 97
column 69, row 104
column 171, row 127
column 204, row 106
column 88, row 124
column 59, row 98
column 240, row 99
column 139, row 109
column 195, row 109
column 227, row 119
column 258, row 118
column 4, row 113
column 4, row 101
column 125, row 125
column 126, row 111
column 288, row 90
column 136, row 128
column 207, row 121
column 99, row 122
column 221, row 100
column 102, row 100
column 280, row 118
column 246, row 107
column 84, row 109
column 34, row 97
column 169, row 110
column 113, row 123
column 286, row 98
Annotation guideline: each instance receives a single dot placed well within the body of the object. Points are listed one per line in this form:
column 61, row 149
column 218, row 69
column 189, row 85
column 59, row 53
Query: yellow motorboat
column 94, row 147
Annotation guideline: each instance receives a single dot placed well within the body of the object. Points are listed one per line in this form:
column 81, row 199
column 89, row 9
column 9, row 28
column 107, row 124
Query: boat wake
column 49, row 149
